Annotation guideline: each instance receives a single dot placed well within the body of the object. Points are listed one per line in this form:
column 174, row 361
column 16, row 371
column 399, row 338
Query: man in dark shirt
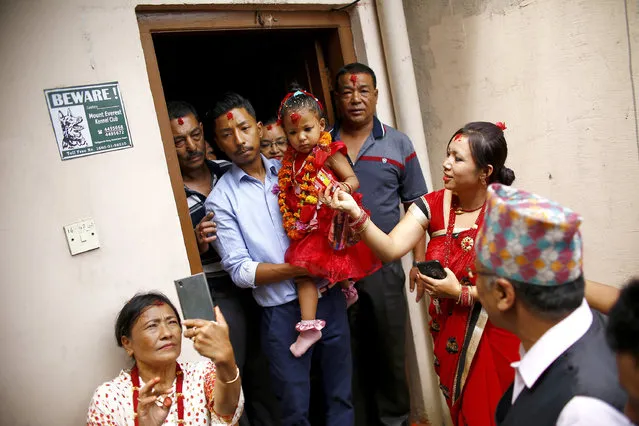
column 200, row 176
column 389, row 173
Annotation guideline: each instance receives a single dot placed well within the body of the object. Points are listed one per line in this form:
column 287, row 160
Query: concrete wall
column 558, row 73
column 57, row 310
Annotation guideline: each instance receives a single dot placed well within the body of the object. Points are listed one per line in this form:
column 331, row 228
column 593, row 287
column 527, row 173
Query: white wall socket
column 82, row 236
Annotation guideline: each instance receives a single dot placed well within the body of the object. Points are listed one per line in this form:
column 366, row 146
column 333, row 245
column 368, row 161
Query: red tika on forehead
column 180, row 121
column 229, row 115
column 354, row 78
column 458, row 137
column 158, row 303
column 295, row 117
column 269, row 127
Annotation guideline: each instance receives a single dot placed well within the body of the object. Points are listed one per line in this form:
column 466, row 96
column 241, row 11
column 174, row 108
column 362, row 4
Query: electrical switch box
column 82, row 236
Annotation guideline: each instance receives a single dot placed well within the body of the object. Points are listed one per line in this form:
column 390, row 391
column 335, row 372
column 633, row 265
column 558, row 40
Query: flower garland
column 295, row 228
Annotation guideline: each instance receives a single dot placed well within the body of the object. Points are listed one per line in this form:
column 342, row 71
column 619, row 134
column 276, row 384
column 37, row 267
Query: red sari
column 314, row 251
column 472, row 356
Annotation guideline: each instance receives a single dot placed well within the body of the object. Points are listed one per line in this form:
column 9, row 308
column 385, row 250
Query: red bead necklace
column 135, row 379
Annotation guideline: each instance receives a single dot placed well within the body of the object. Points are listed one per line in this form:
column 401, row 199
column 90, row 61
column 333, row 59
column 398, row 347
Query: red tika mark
column 180, row 121
column 269, row 127
column 354, row 78
column 229, row 115
column 295, row 117
column 158, row 303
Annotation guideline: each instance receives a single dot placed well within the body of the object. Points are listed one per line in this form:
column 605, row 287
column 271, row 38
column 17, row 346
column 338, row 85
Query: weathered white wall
column 58, row 311
column 557, row 72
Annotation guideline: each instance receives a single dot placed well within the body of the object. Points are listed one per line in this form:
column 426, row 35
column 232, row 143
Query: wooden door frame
column 162, row 19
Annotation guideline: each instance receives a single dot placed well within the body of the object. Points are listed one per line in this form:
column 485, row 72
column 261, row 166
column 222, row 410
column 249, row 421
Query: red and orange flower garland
column 295, row 228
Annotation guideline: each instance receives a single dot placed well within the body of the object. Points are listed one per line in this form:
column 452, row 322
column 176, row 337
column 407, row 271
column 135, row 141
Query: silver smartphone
column 195, row 298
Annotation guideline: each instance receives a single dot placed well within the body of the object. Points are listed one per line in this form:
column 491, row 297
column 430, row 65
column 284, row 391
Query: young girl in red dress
column 322, row 241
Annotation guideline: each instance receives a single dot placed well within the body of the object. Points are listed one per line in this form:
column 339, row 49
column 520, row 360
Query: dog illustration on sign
column 71, row 130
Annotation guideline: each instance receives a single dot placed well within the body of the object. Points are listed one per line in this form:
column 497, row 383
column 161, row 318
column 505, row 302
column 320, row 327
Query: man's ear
column 504, row 294
column 322, row 124
column 260, row 129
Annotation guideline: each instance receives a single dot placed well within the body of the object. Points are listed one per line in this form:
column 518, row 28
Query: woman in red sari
column 472, row 357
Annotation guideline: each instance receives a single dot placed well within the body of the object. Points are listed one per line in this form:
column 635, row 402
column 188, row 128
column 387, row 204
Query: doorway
column 198, row 55
column 260, row 65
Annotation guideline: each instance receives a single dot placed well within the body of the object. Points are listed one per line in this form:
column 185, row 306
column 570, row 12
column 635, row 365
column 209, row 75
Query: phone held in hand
column 195, row 298
column 431, row 268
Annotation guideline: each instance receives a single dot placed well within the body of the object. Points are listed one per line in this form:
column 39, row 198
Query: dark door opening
column 199, row 67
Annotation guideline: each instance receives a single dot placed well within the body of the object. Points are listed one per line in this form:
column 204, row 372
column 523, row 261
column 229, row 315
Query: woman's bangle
column 364, row 226
column 350, row 188
column 237, row 376
column 461, row 293
column 359, row 224
column 354, row 223
column 465, row 298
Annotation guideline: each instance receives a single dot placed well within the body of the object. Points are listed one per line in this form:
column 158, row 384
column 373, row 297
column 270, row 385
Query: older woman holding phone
column 159, row 389
column 472, row 357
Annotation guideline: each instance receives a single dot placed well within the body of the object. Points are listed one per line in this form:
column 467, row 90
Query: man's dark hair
column 271, row 120
column 622, row 331
column 231, row 101
column 551, row 303
column 179, row 109
column 355, row 68
column 132, row 310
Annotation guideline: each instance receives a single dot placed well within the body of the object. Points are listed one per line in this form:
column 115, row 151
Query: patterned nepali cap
column 528, row 238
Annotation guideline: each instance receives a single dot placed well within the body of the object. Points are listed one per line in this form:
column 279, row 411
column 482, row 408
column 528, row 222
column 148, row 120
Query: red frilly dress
column 316, row 250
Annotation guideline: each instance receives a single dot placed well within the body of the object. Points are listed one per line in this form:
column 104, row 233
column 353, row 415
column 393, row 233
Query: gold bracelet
column 237, row 376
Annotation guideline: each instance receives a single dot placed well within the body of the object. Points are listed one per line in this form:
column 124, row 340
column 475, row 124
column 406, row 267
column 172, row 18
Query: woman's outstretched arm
column 387, row 247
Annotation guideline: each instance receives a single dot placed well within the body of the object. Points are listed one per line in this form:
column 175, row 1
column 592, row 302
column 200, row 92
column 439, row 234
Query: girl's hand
column 149, row 412
column 340, row 200
column 448, row 287
column 211, row 338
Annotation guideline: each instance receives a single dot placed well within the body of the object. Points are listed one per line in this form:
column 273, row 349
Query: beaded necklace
column 295, row 229
column 467, row 242
column 135, row 379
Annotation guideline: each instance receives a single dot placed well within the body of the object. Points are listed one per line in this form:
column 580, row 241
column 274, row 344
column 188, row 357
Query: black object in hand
column 431, row 268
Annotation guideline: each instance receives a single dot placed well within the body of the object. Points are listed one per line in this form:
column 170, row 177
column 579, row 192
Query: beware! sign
column 88, row 119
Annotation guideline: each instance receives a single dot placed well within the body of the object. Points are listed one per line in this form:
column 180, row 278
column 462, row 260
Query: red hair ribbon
column 295, row 117
column 501, row 125
column 229, row 115
column 354, row 78
column 180, row 121
column 269, row 127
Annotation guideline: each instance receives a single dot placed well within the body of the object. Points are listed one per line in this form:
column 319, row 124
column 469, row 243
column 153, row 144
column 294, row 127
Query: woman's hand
column 337, row 199
column 414, row 284
column 448, row 287
column 149, row 412
column 211, row 338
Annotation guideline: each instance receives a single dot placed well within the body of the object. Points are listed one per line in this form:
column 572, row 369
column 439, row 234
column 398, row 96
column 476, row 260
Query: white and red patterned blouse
column 112, row 403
